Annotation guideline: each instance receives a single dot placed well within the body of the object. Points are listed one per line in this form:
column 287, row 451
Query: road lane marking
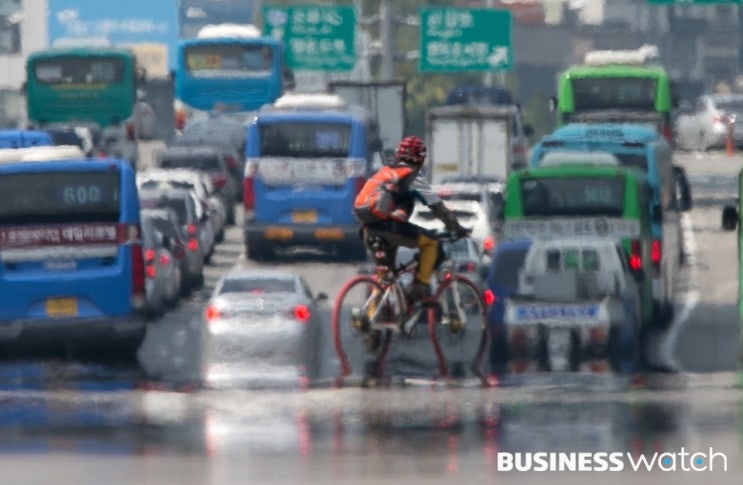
column 690, row 298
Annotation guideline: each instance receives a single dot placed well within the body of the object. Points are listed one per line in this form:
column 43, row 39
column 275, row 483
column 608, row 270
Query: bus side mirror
column 729, row 218
column 553, row 104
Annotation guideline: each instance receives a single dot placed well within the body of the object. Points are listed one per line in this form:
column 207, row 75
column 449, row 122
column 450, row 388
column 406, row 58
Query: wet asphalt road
column 160, row 422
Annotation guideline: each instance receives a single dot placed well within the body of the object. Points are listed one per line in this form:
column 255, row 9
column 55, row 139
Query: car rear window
column 506, row 267
column 178, row 205
column 166, row 227
column 205, row 163
column 257, row 285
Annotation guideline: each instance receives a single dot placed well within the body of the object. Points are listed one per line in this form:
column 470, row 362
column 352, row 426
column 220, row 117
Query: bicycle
column 384, row 309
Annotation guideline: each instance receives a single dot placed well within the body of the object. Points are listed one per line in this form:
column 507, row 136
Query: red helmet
column 411, row 150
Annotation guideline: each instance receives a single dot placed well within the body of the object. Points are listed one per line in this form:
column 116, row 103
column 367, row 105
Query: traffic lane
column 352, row 435
column 708, row 340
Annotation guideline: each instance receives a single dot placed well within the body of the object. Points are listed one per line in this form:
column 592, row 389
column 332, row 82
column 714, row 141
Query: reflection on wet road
column 159, row 421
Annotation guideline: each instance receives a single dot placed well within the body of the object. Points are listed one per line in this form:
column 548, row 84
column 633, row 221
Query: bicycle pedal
column 410, row 322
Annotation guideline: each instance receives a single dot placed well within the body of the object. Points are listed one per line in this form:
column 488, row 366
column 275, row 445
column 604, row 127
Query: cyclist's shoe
column 419, row 292
column 360, row 320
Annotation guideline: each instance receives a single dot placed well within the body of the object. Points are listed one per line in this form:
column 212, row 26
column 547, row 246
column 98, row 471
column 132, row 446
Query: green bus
column 86, row 84
column 585, row 201
column 608, row 92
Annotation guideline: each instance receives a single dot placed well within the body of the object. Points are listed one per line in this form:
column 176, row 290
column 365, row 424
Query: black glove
column 462, row 232
column 442, row 213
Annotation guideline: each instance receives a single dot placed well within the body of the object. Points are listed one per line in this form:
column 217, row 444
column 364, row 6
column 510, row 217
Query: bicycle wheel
column 362, row 309
column 460, row 324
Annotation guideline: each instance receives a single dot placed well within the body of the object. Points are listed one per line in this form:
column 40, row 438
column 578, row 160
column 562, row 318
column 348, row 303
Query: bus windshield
column 229, row 60
column 79, row 70
column 614, row 93
column 304, row 140
column 572, row 196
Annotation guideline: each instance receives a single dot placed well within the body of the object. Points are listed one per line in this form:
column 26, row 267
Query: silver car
column 264, row 319
column 200, row 183
column 162, row 271
column 706, row 125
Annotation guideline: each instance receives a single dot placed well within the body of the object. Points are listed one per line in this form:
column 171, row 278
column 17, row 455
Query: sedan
column 707, row 124
column 163, row 274
column 267, row 318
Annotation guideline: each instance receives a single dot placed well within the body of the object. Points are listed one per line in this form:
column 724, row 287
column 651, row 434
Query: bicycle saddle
column 377, row 243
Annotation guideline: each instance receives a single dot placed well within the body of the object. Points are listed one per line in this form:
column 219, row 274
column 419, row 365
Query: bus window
column 572, row 196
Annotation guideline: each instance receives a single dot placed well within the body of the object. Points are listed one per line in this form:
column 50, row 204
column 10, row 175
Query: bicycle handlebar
column 448, row 236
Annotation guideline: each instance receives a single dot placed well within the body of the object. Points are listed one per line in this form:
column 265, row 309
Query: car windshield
column 506, row 267
column 257, row 285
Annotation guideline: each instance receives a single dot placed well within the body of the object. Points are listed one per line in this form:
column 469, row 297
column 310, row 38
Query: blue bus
column 24, row 139
column 72, row 262
column 228, row 68
column 642, row 148
column 307, row 157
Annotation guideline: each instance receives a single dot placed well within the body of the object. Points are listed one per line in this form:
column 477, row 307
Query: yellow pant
column 429, row 250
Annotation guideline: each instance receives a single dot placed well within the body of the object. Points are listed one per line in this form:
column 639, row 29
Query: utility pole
column 386, row 34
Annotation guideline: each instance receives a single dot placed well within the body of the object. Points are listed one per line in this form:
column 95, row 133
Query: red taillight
column 467, row 268
column 212, row 313
column 164, row 260
column 489, row 297
column 656, row 251
column 131, row 132
column 248, row 195
column 231, row 162
column 667, row 133
column 149, row 255
column 138, row 267
column 488, row 244
column 596, row 336
column 180, row 119
column 150, row 271
column 191, row 228
column 179, row 252
column 101, row 154
column 219, row 180
column 302, row 313
column 635, row 258
column 193, row 244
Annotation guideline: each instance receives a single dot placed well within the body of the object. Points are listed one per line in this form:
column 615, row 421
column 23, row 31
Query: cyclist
column 386, row 202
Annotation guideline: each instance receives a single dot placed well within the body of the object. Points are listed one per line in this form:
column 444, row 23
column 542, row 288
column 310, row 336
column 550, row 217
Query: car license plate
column 559, row 348
column 61, row 307
column 304, row 217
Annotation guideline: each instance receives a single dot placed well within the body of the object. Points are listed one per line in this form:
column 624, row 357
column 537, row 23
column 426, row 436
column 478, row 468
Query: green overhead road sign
column 693, row 2
column 462, row 39
column 316, row 38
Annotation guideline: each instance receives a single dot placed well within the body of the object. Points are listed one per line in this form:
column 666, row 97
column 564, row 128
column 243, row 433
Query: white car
column 470, row 214
column 201, row 184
